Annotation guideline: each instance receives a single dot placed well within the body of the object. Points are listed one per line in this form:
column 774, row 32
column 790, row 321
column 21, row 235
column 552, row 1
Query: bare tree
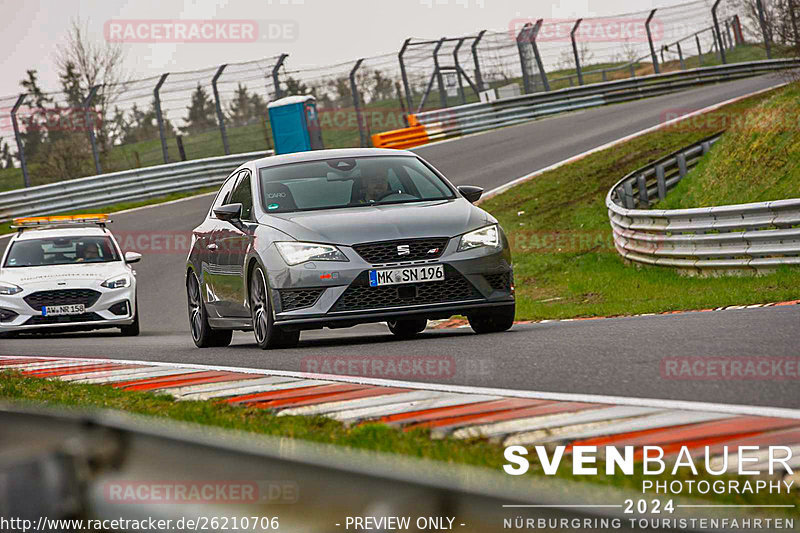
column 95, row 63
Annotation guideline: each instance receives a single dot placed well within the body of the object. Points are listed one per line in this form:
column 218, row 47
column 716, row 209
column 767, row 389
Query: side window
column 243, row 195
column 224, row 193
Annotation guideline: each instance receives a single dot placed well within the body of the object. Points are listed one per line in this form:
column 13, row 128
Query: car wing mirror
column 132, row 257
column 229, row 213
column 470, row 192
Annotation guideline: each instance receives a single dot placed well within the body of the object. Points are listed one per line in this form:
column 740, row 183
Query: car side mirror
column 470, row 192
column 229, row 213
column 132, row 257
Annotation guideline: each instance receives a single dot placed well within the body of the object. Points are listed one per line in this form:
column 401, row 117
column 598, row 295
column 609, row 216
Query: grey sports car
column 335, row 238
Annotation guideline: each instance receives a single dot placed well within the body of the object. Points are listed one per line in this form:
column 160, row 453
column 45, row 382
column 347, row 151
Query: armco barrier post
column 537, row 55
column 653, row 57
column 26, row 180
column 718, row 32
column 476, row 61
column 403, row 72
column 362, row 134
column 524, row 60
column 276, row 82
column 90, row 127
column 438, row 73
column 458, row 71
column 160, row 117
column 763, row 25
column 575, row 51
column 218, row 105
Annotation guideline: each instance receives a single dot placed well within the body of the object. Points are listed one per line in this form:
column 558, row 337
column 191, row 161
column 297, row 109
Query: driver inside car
column 374, row 188
column 87, row 253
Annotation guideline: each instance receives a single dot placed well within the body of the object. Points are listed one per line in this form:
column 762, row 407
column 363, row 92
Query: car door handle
column 212, row 246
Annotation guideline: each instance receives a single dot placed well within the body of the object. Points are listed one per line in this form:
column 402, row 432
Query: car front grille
column 39, row 299
column 390, row 251
column 499, row 282
column 292, row 299
column 360, row 296
column 62, row 319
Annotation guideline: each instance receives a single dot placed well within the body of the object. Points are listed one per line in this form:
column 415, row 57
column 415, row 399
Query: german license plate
column 59, row 310
column 412, row 274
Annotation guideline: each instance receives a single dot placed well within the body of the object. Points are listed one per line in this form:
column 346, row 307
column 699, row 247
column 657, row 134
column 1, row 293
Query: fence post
column 699, row 49
column 653, row 57
column 720, row 45
column 523, row 59
column 575, row 51
column 737, row 25
column 792, row 9
column 276, row 82
column 537, row 55
column 763, row 24
column 354, row 89
column 478, row 77
column 218, row 105
column 404, row 74
column 160, row 117
column 438, row 73
column 728, row 33
column 458, row 71
column 680, row 55
column 26, row 180
column 90, row 128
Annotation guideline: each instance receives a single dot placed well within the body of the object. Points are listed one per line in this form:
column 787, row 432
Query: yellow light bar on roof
column 30, row 222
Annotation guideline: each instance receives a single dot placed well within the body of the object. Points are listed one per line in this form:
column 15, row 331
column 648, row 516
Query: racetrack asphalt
column 621, row 356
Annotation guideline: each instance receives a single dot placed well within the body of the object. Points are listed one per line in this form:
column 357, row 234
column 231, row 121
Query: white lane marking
column 348, row 405
column 665, row 404
column 108, row 373
column 443, row 400
column 528, row 177
column 298, row 384
column 22, row 367
column 151, row 373
column 226, row 385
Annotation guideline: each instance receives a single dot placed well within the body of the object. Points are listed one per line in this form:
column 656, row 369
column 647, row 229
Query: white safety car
column 67, row 273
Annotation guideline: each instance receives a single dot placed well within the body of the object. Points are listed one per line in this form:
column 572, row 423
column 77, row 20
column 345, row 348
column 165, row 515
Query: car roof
column 47, row 233
column 321, row 155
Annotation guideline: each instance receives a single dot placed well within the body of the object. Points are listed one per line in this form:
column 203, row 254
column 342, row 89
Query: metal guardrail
column 748, row 236
column 473, row 118
column 72, row 464
column 124, row 186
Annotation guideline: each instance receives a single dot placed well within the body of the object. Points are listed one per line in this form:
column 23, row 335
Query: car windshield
column 349, row 182
column 61, row 251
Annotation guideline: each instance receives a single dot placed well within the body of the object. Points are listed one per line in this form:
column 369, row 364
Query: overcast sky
column 327, row 31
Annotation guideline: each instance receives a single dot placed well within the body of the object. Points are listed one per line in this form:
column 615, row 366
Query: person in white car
column 67, row 273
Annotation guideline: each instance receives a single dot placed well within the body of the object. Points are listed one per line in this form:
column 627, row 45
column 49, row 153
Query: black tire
column 266, row 333
column 494, row 320
column 203, row 335
column 132, row 330
column 407, row 328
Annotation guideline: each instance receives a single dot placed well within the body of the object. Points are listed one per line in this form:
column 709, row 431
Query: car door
column 210, row 240
column 235, row 242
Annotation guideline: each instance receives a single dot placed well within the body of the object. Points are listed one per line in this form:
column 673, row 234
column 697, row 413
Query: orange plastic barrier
column 414, row 135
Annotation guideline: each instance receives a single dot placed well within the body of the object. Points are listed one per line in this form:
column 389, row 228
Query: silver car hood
column 347, row 226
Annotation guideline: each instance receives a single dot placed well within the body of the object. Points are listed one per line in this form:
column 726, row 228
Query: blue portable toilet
column 295, row 124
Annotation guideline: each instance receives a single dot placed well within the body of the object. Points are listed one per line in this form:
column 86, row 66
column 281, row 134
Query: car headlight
column 295, row 253
column 7, row 289
column 119, row 282
column 488, row 236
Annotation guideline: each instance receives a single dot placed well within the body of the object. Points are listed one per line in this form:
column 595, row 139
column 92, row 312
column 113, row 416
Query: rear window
column 349, row 182
column 61, row 251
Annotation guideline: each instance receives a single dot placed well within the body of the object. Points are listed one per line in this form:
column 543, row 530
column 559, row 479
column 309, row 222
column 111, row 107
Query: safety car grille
column 62, row 319
column 499, row 282
column 394, row 251
column 37, row 300
column 292, row 299
column 360, row 296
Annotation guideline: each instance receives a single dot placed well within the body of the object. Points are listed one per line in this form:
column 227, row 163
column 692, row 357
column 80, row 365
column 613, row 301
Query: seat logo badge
column 404, row 249
column 433, row 251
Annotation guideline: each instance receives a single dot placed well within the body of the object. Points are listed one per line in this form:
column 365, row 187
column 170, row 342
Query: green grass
column 564, row 260
column 372, row 436
column 757, row 160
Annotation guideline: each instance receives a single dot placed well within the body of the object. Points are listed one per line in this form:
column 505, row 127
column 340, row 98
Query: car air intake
column 384, row 252
column 292, row 299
